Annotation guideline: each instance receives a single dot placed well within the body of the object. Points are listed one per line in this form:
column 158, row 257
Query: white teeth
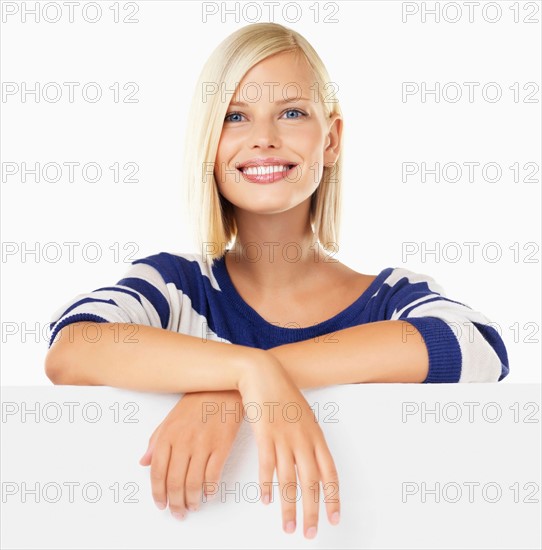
column 263, row 170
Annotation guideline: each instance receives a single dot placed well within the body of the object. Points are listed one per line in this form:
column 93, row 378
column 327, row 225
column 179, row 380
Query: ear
column 333, row 139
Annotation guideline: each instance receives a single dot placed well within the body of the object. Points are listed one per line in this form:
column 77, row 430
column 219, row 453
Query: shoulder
column 397, row 286
column 397, row 278
column 401, row 278
column 179, row 268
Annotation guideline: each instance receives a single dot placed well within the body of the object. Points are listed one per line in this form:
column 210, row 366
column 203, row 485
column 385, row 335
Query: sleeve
column 461, row 343
column 141, row 297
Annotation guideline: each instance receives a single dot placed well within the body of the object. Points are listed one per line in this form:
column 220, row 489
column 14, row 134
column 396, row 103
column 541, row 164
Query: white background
column 369, row 53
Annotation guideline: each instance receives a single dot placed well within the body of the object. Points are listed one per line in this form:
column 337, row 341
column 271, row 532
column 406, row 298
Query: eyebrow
column 280, row 102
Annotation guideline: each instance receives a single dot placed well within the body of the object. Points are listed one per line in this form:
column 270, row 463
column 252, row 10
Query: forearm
column 151, row 359
column 166, row 361
column 383, row 351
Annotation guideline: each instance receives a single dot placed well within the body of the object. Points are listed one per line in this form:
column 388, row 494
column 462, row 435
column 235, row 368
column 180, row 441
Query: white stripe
column 194, row 324
column 109, row 312
column 400, row 272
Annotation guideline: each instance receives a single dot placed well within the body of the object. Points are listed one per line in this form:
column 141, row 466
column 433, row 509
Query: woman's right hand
column 289, row 437
column 188, row 450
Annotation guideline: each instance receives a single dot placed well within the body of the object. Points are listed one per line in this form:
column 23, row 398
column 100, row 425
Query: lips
column 269, row 161
column 267, row 175
column 264, row 168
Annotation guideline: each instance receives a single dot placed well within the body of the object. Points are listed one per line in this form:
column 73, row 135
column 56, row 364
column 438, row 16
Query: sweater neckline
column 333, row 323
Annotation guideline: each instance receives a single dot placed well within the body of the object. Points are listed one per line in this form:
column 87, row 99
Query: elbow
column 62, row 366
column 61, row 372
column 55, row 374
column 56, row 371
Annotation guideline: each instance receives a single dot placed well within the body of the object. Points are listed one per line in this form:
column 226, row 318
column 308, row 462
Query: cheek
column 226, row 176
column 226, row 154
column 221, row 166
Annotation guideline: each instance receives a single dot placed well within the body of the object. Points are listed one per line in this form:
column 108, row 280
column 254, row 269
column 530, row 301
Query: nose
column 264, row 134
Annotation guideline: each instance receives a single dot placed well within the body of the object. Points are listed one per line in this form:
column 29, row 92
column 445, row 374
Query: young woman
column 265, row 309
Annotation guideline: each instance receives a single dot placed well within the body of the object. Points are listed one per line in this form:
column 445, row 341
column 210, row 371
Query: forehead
column 277, row 77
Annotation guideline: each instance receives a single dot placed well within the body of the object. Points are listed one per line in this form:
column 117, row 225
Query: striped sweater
column 184, row 293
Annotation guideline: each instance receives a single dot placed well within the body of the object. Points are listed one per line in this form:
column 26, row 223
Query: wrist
column 226, row 395
column 257, row 365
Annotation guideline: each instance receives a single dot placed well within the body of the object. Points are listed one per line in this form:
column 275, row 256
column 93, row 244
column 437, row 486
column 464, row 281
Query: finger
column 175, row 480
column 159, row 466
column 193, row 486
column 330, row 482
column 213, row 474
column 266, row 462
column 145, row 460
column 309, row 479
column 287, row 479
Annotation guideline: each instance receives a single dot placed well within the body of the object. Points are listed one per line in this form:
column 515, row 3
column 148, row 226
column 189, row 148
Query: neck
column 275, row 251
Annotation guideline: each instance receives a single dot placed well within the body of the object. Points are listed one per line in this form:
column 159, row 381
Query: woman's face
column 275, row 122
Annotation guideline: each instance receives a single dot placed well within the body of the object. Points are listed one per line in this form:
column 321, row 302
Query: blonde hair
column 215, row 222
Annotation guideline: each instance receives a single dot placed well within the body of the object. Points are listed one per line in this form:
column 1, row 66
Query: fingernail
column 311, row 532
column 193, row 508
column 335, row 517
column 290, row 527
column 265, row 499
column 160, row 505
column 178, row 515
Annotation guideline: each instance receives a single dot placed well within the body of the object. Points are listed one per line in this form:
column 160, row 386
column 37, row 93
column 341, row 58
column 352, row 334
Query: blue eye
column 296, row 111
column 231, row 114
column 235, row 113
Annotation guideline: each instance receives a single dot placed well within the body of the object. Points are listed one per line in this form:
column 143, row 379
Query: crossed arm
column 383, row 351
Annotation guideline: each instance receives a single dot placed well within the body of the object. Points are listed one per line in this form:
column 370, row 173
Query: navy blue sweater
column 184, row 293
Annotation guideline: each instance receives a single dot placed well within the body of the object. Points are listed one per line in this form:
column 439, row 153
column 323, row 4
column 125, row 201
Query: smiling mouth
column 265, row 169
column 266, row 173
